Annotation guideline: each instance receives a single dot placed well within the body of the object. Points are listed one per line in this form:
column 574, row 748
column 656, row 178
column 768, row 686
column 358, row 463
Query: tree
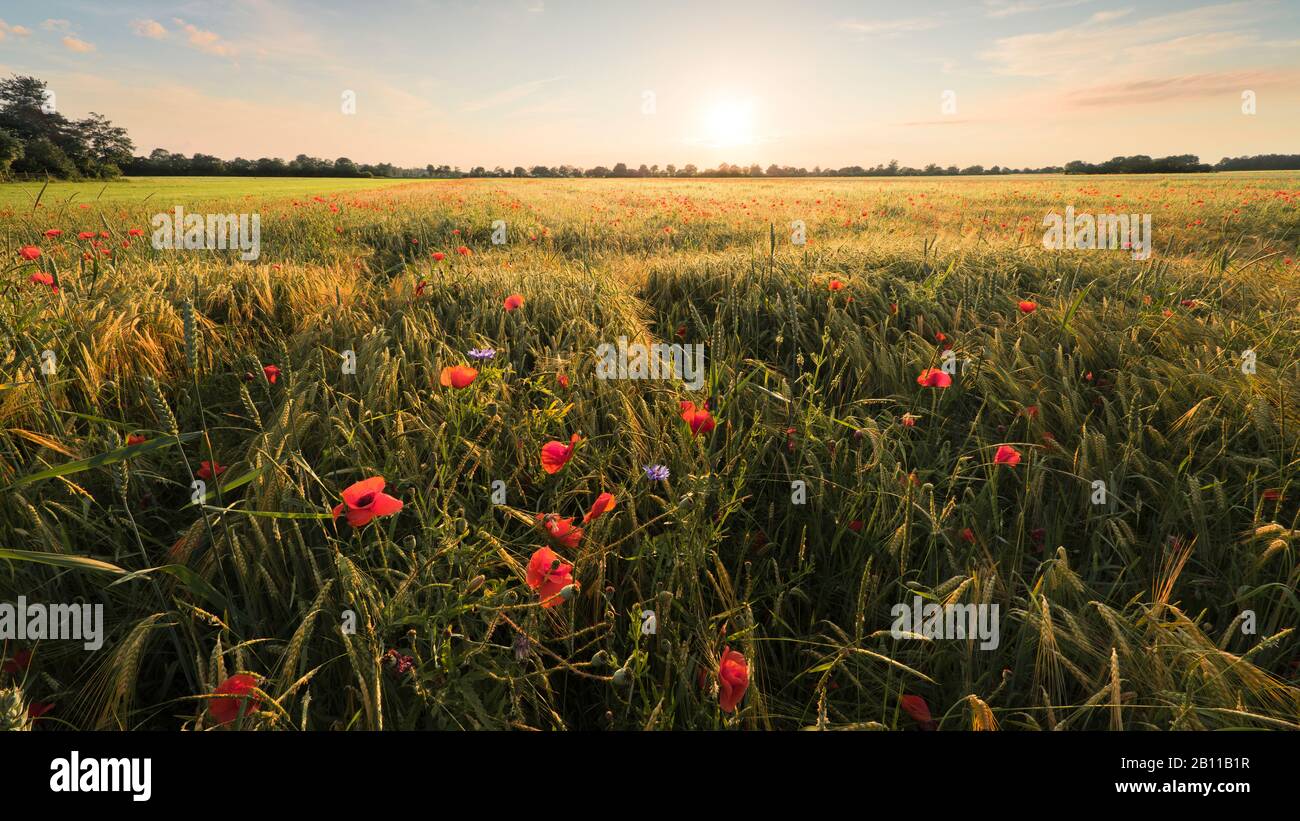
column 11, row 148
column 108, row 143
column 40, row 156
column 54, row 145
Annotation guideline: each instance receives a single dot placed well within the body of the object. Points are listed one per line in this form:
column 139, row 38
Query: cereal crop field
column 382, row 475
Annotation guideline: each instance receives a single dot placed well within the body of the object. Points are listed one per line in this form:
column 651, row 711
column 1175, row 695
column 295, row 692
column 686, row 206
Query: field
column 1114, row 464
column 165, row 192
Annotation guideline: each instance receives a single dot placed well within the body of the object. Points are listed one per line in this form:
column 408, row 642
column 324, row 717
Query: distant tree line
column 37, row 141
column 163, row 163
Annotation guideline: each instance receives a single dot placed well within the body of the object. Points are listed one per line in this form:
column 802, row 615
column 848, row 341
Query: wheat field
column 130, row 372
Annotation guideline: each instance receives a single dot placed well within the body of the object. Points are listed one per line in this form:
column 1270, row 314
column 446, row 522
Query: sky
column 525, row 82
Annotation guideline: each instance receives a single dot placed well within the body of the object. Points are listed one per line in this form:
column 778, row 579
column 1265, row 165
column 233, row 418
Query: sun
column 729, row 123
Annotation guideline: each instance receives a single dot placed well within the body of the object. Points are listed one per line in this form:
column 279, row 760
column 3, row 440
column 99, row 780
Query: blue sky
column 1032, row 82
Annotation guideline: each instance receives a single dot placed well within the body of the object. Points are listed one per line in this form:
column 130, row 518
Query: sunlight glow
column 729, row 123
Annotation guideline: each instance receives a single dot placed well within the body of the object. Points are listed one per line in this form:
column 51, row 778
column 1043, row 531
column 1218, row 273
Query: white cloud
column 888, row 28
column 17, row 31
column 72, row 43
column 1107, row 16
column 56, row 25
column 1108, row 48
column 1226, row 85
column 208, row 42
column 1010, row 8
column 149, row 28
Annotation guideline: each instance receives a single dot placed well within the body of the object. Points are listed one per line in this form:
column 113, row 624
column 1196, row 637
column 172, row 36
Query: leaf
column 59, row 560
column 192, row 581
column 1074, row 306
column 232, row 484
column 269, row 514
column 111, row 457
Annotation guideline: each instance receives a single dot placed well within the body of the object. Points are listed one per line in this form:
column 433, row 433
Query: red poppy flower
column 29, row 252
column 21, row 661
column 556, row 454
column 458, row 377
column 272, row 373
column 1273, row 494
column 42, row 278
column 86, row 235
column 420, row 286
column 968, row 535
column 233, row 695
column 836, row 285
column 365, row 500
column 561, row 531
column 919, row 711
column 933, row 378
column 54, row 232
column 856, row 525
column 681, row 331
column 463, row 251
column 909, row 420
column 603, row 504
column 38, row 708
column 514, row 301
column 1007, row 455
column 439, row 256
column 548, row 576
column 698, row 419
column 733, row 679
column 209, row 469
column 1027, row 307
column 136, row 439
column 135, row 232
column 562, row 379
